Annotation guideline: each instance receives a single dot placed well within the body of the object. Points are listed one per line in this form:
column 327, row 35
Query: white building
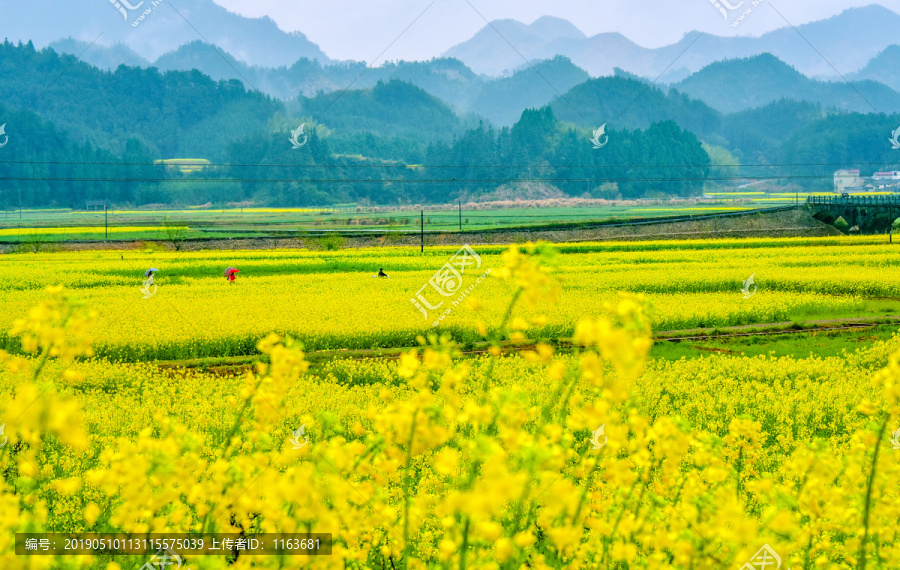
column 844, row 179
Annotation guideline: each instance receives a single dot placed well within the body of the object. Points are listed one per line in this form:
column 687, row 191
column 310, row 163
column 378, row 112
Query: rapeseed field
column 583, row 455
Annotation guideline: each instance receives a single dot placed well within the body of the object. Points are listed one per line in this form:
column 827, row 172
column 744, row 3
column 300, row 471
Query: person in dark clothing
column 381, row 273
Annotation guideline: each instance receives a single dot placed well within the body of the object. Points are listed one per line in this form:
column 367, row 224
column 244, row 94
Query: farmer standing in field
column 230, row 273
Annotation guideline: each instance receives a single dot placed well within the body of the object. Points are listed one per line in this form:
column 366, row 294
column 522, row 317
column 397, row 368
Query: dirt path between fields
column 783, row 327
column 239, row 364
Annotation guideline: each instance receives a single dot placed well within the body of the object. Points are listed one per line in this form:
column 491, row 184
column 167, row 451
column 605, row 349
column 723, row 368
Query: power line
column 415, row 166
column 415, row 180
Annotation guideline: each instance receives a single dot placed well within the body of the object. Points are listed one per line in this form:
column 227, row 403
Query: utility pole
column 460, row 215
column 422, row 234
column 106, row 219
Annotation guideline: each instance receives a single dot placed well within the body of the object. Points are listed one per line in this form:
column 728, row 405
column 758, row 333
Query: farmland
column 478, row 452
column 438, row 286
column 206, row 223
column 196, row 313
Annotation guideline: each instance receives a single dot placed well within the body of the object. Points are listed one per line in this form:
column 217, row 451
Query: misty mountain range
column 841, row 44
column 484, row 77
column 839, row 40
column 257, row 41
column 728, row 75
column 236, row 101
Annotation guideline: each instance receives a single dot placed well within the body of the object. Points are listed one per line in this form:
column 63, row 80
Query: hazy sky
column 361, row 30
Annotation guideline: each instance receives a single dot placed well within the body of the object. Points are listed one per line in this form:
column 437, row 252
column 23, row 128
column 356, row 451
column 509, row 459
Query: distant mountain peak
column 884, row 67
column 491, row 44
column 553, row 28
column 738, row 84
column 869, row 11
column 255, row 41
column 848, row 41
column 765, row 61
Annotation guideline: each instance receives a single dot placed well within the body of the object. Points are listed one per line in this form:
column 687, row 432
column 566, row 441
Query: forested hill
column 500, row 100
column 40, row 165
column 627, row 102
column 884, row 68
column 394, row 108
column 756, row 135
column 174, row 114
column 78, row 133
column 740, row 84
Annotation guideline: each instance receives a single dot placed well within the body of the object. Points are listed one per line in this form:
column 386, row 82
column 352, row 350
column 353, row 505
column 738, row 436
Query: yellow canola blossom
column 328, row 300
column 589, row 459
